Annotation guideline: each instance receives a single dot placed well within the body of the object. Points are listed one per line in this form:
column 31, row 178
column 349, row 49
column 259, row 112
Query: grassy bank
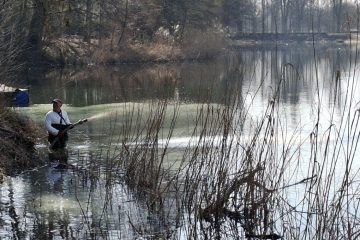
column 17, row 143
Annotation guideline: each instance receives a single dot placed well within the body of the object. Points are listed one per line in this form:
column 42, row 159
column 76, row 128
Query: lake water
column 79, row 203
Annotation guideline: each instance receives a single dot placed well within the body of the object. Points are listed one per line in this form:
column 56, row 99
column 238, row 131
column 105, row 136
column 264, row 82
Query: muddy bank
column 17, row 143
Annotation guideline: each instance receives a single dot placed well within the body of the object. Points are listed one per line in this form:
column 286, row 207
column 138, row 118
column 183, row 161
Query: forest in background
column 61, row 32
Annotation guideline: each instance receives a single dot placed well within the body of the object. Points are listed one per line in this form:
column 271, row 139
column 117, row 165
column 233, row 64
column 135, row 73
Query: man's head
column 57, row 103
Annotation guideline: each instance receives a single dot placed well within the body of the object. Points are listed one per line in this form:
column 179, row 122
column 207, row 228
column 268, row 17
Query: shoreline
column 17, row 143
column 71, row 51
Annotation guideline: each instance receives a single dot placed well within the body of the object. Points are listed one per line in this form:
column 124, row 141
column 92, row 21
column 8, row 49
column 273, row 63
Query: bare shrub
column 198, row 44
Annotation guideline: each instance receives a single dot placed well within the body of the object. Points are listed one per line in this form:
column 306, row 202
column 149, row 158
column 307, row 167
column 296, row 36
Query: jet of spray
column 100, row 115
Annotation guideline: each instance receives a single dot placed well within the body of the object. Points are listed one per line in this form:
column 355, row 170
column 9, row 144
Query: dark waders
column 57, row 144
column 57, row 152
column 61, row 141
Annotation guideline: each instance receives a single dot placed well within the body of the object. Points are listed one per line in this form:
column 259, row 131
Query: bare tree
column 36, row 28
column 337, row 13
column 13, row 29
column 124, row 22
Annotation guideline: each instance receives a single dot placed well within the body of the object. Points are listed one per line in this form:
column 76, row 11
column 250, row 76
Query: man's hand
column 60, row 133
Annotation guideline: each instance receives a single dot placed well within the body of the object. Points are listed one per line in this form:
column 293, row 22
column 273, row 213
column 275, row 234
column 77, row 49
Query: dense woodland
column 59, row 28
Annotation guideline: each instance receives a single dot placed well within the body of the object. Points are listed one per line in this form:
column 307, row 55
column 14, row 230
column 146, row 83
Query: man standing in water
column 56, row 121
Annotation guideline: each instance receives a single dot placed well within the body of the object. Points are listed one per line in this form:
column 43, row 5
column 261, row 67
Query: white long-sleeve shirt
column 54, row 118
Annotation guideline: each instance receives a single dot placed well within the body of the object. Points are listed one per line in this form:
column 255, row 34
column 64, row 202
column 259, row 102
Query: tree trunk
column 123, row 23
column 87, row 36
column 263, row 16
column 36, row 28
column 337, row 12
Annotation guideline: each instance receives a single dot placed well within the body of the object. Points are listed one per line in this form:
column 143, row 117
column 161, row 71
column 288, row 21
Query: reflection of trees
column 107, row 207
column 14, row 215
column 193, row 82
column 105, row 85
column 295, row 67
column 26, row 202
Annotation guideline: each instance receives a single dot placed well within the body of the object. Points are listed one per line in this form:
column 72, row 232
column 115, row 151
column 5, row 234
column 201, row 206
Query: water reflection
column 80, row 202
column 252, row 70
column 67, row 203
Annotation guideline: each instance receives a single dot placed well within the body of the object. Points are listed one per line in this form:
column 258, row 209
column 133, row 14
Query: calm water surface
column 66, row 203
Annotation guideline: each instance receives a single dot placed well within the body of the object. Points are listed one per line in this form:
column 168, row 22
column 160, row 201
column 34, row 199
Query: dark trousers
column 60, row 141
